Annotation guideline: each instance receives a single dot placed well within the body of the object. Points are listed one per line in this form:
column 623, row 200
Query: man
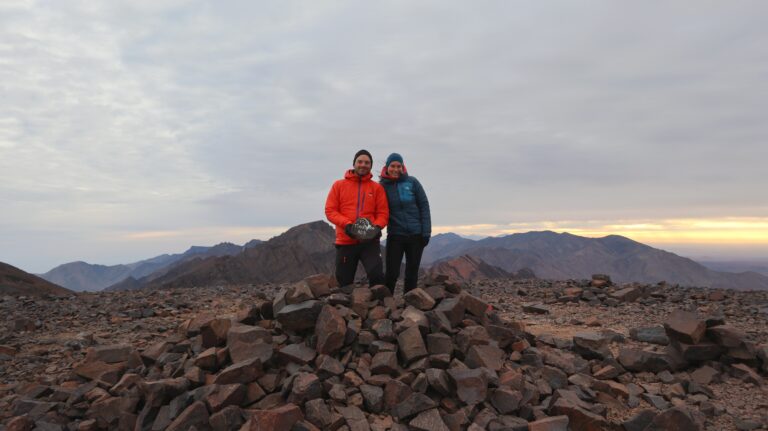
column 353, row 198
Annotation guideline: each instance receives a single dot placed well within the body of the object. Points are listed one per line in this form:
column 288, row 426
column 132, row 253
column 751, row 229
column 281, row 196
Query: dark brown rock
column 420, row 299
column 487, row 356
column 276, row 419
column 214, row 332
column 301, row 316
column 298, row 353
column 196, row 415
column 411, row 344
column 385, row 363
column 428, row 420
column 677, row 418
column 685, row 327
column 229, row 418
column 306, row 387
column 242, row 372
column 413, row 405
column 471, row 385
column 506, row 400
column 553, row 423
column 330, row 330
column 225, row 395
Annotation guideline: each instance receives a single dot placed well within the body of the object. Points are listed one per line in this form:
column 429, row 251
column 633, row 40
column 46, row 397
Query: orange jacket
column 355, row 197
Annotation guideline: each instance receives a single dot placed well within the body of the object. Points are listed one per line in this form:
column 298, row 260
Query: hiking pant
column 348, row 256
column 397, row 245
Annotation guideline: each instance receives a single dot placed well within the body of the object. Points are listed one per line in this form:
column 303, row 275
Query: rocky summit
column 496, row 354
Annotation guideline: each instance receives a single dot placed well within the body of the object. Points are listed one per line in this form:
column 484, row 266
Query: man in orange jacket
column 353, row 198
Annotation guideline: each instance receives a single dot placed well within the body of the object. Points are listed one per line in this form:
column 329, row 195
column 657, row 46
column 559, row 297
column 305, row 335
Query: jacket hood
column 386, row 177
column 351, row 175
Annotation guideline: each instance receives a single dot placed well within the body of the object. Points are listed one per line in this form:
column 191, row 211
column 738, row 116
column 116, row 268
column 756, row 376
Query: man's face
column 395, row 169
column 362, row 165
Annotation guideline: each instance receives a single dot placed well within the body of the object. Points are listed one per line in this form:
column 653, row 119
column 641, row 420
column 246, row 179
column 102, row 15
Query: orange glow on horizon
column 725, row 231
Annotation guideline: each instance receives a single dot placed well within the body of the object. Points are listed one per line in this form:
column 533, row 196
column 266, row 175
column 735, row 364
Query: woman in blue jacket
column 410, row 224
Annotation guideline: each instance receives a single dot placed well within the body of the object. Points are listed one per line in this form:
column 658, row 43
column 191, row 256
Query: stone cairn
column 320, row 357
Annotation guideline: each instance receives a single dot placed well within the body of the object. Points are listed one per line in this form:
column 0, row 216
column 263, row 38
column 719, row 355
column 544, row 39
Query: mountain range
column 82, row 276
column 308, row 249
column 554, row 255
column 14, row 281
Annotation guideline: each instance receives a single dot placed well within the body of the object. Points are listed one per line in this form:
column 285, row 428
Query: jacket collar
column 351, row 175
column 386, row 177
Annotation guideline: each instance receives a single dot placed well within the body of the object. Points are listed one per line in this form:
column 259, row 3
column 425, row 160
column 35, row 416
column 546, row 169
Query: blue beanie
column 394, row 157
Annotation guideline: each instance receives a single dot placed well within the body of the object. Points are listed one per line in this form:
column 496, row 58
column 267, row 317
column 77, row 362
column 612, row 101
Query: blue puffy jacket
column 408, row 206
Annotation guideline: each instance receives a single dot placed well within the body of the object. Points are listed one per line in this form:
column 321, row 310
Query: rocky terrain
column 495, row 354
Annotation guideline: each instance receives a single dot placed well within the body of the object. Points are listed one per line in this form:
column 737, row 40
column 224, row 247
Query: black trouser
column 397, row 245
column 347, row 257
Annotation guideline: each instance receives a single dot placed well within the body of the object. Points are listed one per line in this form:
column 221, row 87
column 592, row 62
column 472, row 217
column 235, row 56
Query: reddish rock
column 428, row 420
column 411, row 344
column 727, row 336
column 306, row 386
column 453, row 309
column 225, row 395
column 553, row 423
column 242, row 372
column 301, row 316
column 471, row 385
column 677, row 418
column 506, row 400
column 330, row 330
column 298, row 353
column 487, row 356
column 475, row 305
column 196, row 415
column 114, row 353
column 277, row 419
column 420, row 299
column 385, row 363
column 214, row 332
column 229, row 418
column 579, row 419
column 629, row 294
column 109, row 373
column 685, row 327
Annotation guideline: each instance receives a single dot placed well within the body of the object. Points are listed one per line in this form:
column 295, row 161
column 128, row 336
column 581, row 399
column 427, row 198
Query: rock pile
column 318, row 356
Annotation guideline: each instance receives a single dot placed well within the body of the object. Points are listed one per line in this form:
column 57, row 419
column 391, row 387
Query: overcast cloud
column 130, row 129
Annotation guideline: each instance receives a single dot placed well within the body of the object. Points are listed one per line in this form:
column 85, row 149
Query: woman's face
column 395, row 169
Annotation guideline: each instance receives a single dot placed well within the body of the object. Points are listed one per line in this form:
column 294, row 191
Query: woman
column 410, row 225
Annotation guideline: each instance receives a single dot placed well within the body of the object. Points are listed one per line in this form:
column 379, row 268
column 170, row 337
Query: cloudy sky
column 130, row 129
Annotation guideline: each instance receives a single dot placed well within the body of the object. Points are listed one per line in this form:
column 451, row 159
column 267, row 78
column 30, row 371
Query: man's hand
column 424, row 241
column 349, row 231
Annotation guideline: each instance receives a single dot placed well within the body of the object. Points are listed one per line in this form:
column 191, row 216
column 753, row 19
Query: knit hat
column 362, row 153
column 394, row 157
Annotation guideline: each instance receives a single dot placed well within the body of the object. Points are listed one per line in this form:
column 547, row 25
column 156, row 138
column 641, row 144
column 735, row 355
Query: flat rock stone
column 650, row 334
column 301, row 316
column 298, row 353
